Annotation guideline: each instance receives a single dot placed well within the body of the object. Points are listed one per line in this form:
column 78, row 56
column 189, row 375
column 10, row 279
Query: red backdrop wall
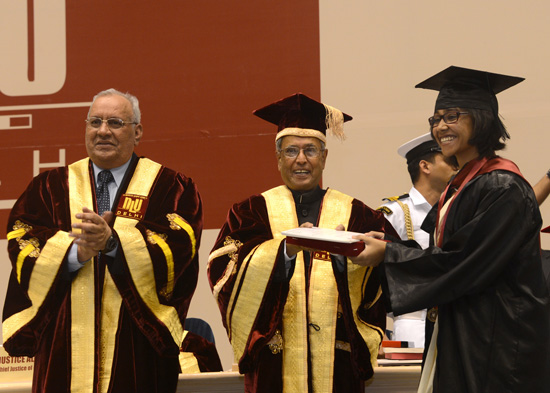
column 199, row 69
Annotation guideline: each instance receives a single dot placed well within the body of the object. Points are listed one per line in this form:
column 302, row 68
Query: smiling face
column 301, row 173
column 108, row 148
column 454, row 138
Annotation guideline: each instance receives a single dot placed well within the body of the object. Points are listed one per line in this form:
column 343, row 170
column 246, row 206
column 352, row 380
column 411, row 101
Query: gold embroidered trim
column 230, row 248
column 172, row 219
column 160, row 240
column 177, row 223
column 151, row 236
column 141, row 272
column 344, row 346
column 358, row 277
column 31, row 242
column 111, row 303
column 28, row 248
column 135, row 249
column 248, row 293
column 302, row 132
column 276, row 343
column 17, row 234
column 237, row 244
column 19, row 230
column 20, row 259
column 43, row 274
column 323, row 296
column 21, row 225
column 82, row 288
column 282, row 215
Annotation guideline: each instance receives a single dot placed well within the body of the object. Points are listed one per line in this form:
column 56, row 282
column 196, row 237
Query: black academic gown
column 488, row 284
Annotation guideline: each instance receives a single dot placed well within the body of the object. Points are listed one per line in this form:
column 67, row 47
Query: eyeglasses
column 113, row 123
column 448, row 118
column 309, row 151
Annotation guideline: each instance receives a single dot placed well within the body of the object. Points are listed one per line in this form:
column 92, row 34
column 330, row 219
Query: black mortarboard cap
column 467, row 88
column 418, row 147
column 301, row 115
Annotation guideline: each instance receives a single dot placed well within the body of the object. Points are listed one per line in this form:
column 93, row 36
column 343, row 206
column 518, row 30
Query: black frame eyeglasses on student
column 448, row 118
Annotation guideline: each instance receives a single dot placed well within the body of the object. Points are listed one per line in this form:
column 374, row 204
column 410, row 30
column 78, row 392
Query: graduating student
column 484, row 272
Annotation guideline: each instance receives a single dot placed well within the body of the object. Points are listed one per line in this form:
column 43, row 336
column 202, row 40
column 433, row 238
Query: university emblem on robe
column 132, row 206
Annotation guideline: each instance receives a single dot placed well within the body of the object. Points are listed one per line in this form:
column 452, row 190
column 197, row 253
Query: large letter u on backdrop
column 37, row 64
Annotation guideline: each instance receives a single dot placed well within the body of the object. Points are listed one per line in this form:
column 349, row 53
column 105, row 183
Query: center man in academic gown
column 298, row 320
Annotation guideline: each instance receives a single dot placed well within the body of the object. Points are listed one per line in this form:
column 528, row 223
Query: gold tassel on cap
column 335, row 122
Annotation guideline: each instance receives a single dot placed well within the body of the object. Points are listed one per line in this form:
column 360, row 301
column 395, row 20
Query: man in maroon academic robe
column 298, row 320
column 104, row 257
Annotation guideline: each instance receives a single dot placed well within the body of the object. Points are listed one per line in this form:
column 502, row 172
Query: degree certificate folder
column 324, row 239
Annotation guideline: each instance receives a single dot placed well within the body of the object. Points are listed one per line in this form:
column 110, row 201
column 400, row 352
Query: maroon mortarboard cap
column 467, row 88
column 300, row 115
column 418, row 147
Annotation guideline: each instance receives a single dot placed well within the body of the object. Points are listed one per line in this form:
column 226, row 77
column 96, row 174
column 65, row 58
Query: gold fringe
column 335, row 122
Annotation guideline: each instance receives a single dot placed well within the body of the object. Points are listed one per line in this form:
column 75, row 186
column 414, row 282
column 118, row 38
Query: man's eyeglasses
column 309, row 151
column 114, row 123
column 448, row 118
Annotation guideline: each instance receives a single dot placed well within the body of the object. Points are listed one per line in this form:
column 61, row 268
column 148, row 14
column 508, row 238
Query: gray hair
column 279, row 142
column 131, row 98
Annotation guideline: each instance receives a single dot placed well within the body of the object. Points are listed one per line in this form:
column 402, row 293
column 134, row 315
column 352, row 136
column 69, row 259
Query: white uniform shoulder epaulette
column 385, row 209
column 396, row 198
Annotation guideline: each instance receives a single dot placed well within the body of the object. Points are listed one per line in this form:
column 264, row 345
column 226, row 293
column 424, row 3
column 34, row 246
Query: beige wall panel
column 374, row 52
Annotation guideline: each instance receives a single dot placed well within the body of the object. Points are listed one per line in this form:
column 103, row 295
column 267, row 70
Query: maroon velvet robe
column 204, row 353
column 249, row 226
column 144, row 350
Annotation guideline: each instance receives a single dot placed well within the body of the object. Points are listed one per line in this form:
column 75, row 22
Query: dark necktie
column 103, row 200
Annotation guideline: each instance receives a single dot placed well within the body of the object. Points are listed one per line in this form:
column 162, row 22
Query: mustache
column 104, row 140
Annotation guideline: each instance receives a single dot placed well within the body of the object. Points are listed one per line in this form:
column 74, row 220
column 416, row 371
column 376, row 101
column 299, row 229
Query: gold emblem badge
column 276, row 343
column 132, row 206
column 432, row 314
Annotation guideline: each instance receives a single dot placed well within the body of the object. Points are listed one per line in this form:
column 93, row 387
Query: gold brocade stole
column 323, row 297
column 245, row 300
column 41, row 280
column 282, row 216
column 82, row 289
